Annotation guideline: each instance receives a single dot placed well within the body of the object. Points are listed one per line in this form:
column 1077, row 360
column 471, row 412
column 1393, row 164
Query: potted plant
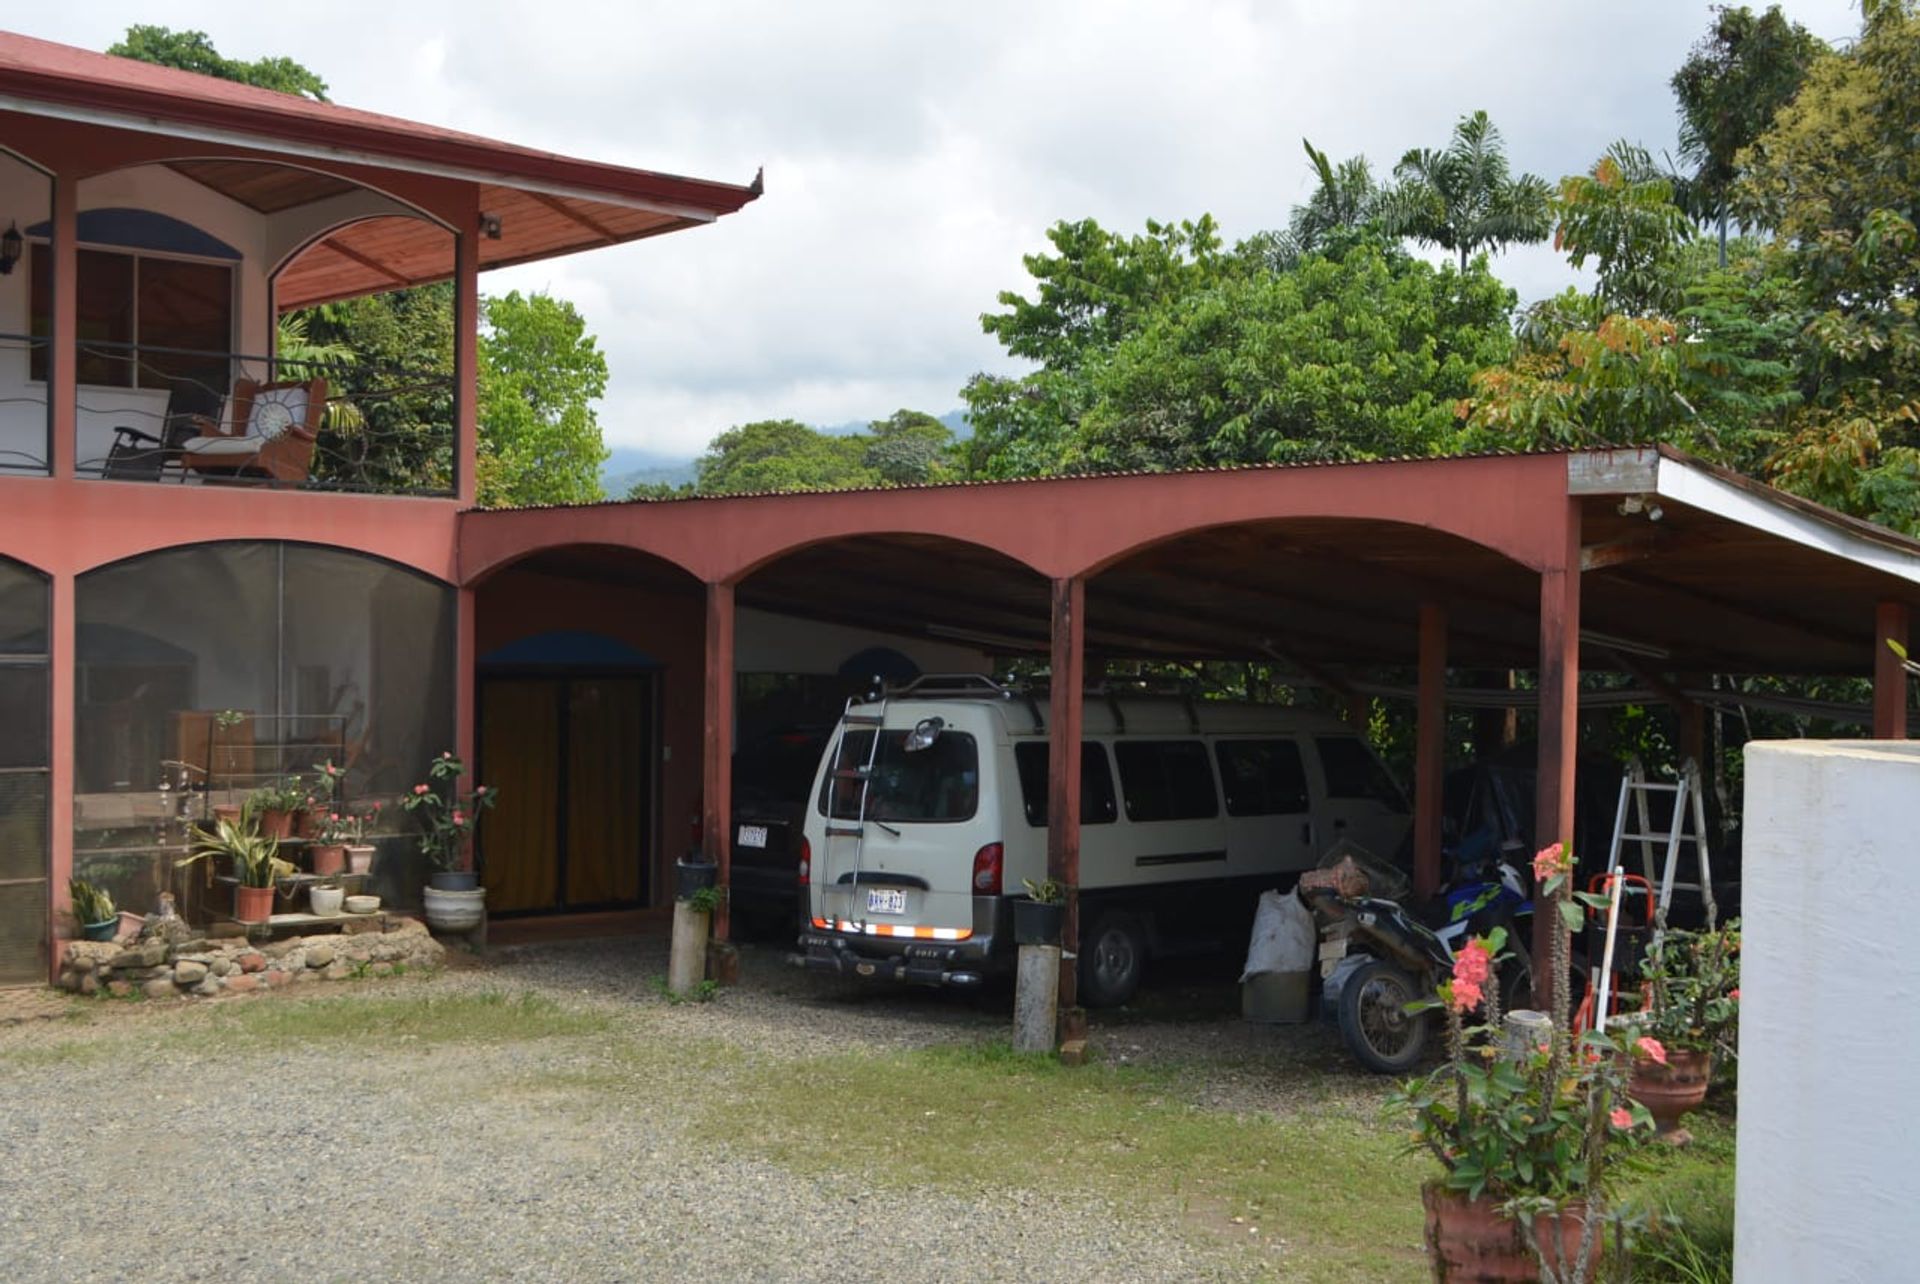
column 454, row 900
column 94, row 911
column 334, row 831
column 274, row 804
column 1690, row 1002
column 356, row 827
column 1040, row 916
column 323, row 788
column 1525, row 1134
column 255, row 858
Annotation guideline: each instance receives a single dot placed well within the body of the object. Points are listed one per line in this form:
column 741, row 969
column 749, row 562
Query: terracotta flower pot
column 1672, row 1090
column 306, row 823
column 229, row 812
column 1469, row 1242
column 360, row 859
column 275, row 823
column 328, row 858
column 253, row 904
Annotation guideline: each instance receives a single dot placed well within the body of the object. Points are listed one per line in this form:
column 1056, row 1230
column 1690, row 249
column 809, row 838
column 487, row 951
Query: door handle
column 1339, row 825
column 1306, row 832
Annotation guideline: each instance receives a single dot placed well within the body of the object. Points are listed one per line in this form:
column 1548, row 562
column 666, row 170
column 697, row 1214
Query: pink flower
column 1651, row 1048
column 1621, row 1118
column 478, row 790
column 1735, row 995
column 459, row 817
column 333, row 815
column 1462, row 995
column 1550, row 862
column 419, row 789
column 447, row 753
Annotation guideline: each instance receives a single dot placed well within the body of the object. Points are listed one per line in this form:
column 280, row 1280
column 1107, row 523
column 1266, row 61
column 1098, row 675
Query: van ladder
column 1689, row 814
column 856, row 833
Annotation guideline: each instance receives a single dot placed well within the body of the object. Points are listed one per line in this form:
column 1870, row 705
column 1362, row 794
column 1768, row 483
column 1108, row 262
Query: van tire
column 1113, row 954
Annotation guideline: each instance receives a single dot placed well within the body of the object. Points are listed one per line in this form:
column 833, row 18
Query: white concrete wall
column 1829, row 1150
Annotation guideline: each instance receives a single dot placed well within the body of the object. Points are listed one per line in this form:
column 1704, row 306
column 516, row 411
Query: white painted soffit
column 1645, row 471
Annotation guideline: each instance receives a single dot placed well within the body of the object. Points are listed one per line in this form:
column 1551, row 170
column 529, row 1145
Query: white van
column 1189, row 809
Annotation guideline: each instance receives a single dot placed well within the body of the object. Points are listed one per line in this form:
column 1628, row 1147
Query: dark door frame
column 565, row 675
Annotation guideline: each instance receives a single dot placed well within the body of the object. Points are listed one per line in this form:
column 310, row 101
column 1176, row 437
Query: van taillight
column 806, row 861
column 986, row 869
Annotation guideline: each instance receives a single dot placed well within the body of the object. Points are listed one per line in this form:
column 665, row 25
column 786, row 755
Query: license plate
column 752, row 836
column 886, row 900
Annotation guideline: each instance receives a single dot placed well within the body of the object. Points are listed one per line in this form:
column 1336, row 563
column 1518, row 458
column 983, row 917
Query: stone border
column 201, row 967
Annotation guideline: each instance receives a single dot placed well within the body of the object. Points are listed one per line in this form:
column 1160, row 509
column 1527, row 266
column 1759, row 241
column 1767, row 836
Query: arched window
column 206, row 672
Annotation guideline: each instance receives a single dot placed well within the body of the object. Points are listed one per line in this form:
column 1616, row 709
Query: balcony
column 328, row 421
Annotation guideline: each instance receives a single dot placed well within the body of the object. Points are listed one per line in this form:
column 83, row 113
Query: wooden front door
column 573, row 758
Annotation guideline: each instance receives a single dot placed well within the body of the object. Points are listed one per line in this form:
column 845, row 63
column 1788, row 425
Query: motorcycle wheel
column 1374, row 1021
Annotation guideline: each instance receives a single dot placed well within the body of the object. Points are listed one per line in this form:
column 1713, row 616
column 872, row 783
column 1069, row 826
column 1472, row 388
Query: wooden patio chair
column 267, row 430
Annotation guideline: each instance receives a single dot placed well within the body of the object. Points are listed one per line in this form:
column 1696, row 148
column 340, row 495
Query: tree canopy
column 540, row 373
column 194, row 51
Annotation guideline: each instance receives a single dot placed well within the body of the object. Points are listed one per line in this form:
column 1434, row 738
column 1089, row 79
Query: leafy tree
column 1742, row 72
column 540, row 373
column 1836, row 176
column 1465, row 198
column 908, row 447
column 1622, row 215
column 782, row 455
column 194, row 51
column 1345, row 357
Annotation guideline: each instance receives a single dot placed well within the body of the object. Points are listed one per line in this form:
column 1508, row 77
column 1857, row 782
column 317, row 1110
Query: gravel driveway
column 151, row 1141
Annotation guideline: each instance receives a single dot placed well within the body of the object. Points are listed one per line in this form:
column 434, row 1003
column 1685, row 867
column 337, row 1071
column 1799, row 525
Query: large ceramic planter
column 328, row 858
column 1038, row 922
column 454, row 880
column 1469, row 1242
column 1672, row 1090
column 454, row 911
column 105, row 930
column 253, row 904
column 360, row 860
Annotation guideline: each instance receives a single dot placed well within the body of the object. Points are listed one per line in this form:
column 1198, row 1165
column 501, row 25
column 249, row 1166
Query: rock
column 319, row 955
column 338, row 970
column 305, row 974
column 90, row 953
column 160, row 987
column 191, row 949
column 69, row 980
column 221, row 967
column 119, row 989
column 383, row 969
column 252, row 961
column 151, row 954
column 145, row 974
column 227, row 930
column 275, row 978
column 243, row 983
column 89, row 984
column 189, row 972
column 208, row 985
column 279, row 949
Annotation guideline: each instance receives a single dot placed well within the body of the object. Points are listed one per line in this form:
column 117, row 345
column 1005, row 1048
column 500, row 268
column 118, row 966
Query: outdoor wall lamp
column 10, row 247
column 490, row 225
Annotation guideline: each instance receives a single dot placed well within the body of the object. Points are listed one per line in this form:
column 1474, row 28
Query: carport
column 1640, row 561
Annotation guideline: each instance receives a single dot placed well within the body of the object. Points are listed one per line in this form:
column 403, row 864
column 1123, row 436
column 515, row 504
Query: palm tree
column 1347, row 197
column 1464, row 198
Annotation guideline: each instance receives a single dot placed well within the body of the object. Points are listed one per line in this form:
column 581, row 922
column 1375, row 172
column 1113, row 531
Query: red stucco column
column 60, row 645
column 1559, row 724
column 1889, row 676
column 1430, row 746
column 1065, row 723
column 61, row 357
column 466, row 357
column 717, row 763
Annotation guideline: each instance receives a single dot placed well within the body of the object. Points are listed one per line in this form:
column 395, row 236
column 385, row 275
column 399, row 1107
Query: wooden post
column 1065, row 723
column 1889, row 677
column 466, row 358
column 1559, row 728
column 687, row 959
column 464, row 733
column 1430, row 746
column 63, row 345
column 717, row 758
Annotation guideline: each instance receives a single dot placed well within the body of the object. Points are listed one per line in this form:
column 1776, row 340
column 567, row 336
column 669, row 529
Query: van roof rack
column 963, row 686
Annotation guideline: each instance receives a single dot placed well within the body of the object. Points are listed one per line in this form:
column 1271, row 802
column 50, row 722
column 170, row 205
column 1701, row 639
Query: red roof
column 43, row 71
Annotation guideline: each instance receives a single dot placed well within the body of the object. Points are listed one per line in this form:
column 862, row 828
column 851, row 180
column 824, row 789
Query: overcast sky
column 913, row 154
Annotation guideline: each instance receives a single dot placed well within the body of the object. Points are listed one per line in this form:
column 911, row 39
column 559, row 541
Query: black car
column 772, row 778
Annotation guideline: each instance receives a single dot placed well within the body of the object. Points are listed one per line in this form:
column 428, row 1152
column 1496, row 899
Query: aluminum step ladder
column 856, row 831
column 1687, row 826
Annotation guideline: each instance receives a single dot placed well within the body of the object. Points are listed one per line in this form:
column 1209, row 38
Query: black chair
column 139, row 455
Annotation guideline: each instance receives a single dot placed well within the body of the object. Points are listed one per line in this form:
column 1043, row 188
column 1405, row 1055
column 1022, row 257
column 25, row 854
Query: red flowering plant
column 348, row 826
column 1515, row 1119
column 1691, row 990
column 447, row 817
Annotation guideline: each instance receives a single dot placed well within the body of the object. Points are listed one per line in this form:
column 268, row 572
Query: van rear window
column 938, row 783
column 1166, row 779
column 1096, row 783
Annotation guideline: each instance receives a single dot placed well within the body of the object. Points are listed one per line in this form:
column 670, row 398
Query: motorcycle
column 1402, row 957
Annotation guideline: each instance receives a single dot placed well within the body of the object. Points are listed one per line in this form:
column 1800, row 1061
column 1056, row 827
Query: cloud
column 913, row 154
